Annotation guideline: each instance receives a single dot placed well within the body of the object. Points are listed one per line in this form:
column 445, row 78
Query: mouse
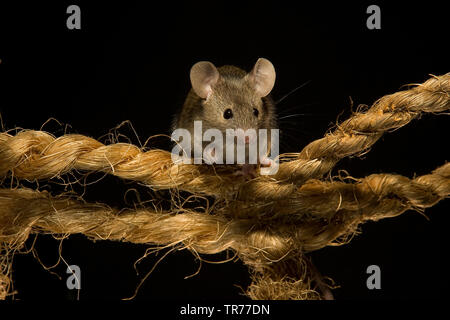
column 228, row 97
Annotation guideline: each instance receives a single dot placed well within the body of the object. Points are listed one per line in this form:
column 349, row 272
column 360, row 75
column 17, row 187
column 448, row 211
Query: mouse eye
column 228, row 114
column 255, row 112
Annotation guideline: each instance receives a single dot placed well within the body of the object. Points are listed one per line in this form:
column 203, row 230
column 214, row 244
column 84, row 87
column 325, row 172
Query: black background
column 131, row 62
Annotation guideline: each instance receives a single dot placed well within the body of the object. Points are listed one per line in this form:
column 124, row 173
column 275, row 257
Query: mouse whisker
column 291, row 92
column 293, row 115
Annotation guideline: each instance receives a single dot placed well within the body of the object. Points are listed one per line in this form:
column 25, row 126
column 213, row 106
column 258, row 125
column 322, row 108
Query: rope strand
column 38, row 155
column 321, row 214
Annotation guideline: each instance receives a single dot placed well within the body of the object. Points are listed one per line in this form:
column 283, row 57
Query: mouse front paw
column 268, row 166
column 247, row 171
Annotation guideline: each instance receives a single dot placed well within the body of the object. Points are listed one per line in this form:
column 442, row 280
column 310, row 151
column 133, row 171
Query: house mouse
column 230, row 98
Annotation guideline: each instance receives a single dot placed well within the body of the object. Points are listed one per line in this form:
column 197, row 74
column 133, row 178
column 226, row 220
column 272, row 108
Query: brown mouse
column 229, row 98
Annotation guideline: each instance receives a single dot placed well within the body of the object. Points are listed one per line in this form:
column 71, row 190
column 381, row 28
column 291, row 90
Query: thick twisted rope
column 363, row 129
column 377, row 196
column 305, row 224
column 39, row 155
column 270, row 222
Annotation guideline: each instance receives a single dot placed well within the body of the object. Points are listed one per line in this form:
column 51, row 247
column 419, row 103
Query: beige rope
column 270, row 221
column 320, row 214
column 38, row 155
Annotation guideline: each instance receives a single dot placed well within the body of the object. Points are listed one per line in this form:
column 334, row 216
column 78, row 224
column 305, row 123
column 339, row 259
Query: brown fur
column 230, row 92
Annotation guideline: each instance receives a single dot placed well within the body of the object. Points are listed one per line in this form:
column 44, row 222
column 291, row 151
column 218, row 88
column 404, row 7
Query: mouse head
column 232, row 98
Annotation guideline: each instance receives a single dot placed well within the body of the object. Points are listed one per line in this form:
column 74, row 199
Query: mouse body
column 230, row 98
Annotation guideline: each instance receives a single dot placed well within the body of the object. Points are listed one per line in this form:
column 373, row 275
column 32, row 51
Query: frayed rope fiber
column 270, row 222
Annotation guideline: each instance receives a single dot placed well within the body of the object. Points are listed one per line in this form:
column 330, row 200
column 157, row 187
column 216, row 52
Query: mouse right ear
column 204, row 76
column 262, row 77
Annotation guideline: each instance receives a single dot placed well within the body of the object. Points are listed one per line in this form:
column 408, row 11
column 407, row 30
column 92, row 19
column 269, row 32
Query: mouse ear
column 204, row 76
column 262, row 77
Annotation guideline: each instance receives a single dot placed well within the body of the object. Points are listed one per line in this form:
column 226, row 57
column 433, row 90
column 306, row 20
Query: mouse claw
column 265, row 161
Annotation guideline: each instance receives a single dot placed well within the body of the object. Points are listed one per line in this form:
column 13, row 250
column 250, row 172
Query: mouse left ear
column 204, row 76
column 262, row 77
